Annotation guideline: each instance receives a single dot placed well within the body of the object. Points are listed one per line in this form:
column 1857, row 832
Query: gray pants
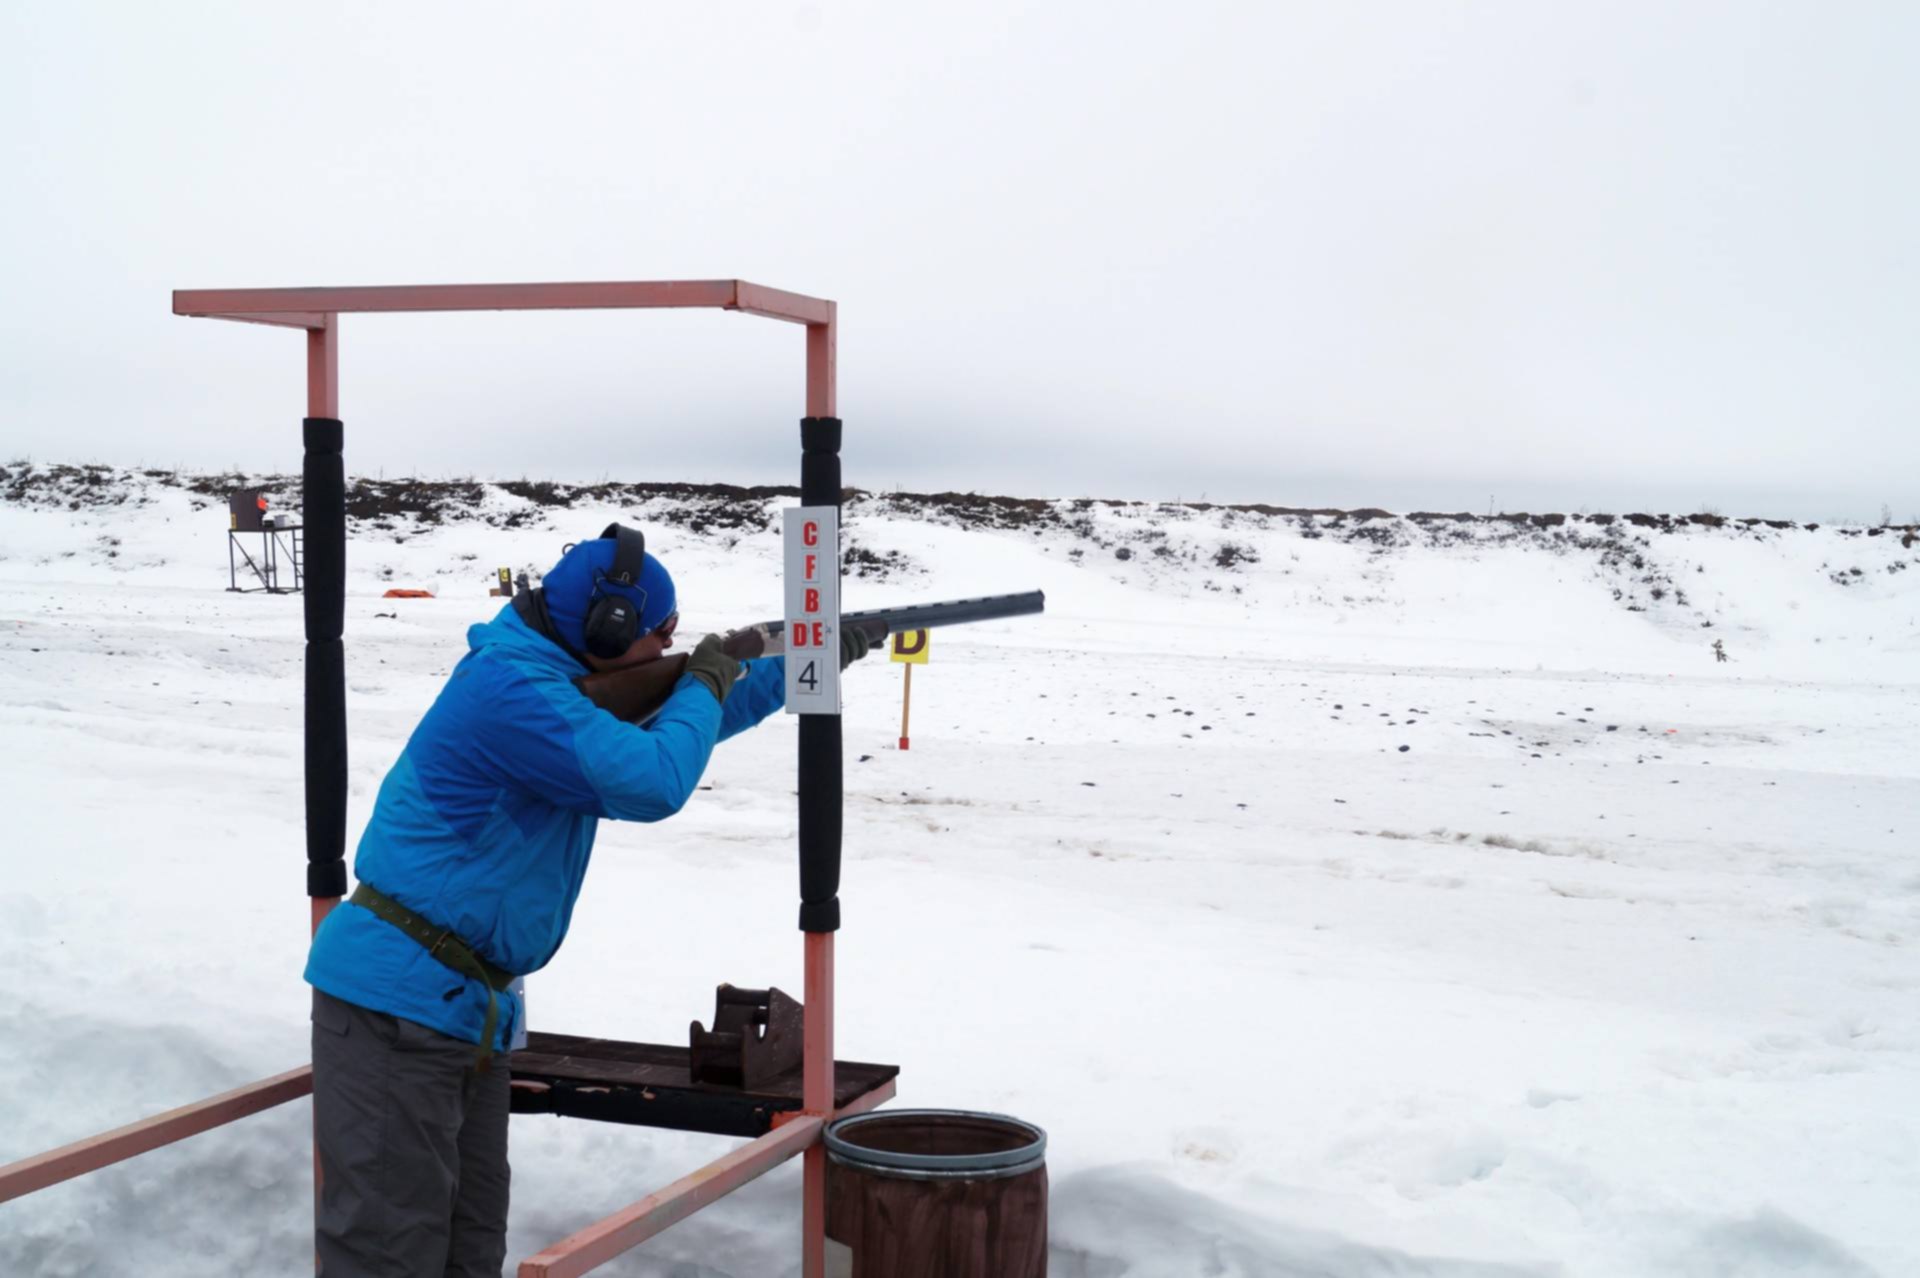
column 413, row 1149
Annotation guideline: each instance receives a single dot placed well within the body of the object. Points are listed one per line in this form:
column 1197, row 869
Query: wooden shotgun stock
column 636, row 693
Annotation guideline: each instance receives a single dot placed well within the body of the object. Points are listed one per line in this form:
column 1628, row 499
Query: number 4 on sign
column 910, row 649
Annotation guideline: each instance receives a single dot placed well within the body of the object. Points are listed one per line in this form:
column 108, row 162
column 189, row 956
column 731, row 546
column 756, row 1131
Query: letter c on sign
column 810, row 533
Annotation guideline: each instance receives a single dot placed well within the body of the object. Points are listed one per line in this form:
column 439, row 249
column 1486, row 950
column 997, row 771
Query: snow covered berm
column 1347, row 894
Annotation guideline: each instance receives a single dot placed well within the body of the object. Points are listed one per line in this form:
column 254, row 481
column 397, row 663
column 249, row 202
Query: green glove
column 854, row 645
column 714, row 668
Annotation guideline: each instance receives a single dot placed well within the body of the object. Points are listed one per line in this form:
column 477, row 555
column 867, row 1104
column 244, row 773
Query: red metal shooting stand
column 596, row 1078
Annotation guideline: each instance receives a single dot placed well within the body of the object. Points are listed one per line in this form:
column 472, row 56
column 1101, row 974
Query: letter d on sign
column 910, row 646
column 812, row 561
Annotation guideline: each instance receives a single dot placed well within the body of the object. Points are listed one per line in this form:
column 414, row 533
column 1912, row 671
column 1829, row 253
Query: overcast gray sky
column 1419, row 254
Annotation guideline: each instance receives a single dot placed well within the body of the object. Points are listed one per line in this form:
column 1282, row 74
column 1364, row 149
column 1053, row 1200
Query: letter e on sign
column 812, row 562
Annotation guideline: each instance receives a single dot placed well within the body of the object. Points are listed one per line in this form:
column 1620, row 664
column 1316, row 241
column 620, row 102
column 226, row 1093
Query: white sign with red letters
column 813, row 609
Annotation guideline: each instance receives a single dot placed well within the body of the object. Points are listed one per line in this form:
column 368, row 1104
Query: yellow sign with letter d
column 910, row 646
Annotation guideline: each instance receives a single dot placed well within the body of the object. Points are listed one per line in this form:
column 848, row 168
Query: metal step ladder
column 281, row 553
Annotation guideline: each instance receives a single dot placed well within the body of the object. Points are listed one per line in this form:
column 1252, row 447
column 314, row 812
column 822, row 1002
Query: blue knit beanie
column 569, row 590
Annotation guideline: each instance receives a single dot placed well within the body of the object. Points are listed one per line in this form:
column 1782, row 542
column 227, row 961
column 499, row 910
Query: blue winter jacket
column 486, row 821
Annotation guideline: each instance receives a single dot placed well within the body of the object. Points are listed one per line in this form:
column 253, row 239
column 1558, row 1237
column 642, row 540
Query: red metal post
column 323, row 368
column 823, row 373
column 123, row 1143
column 817, row 1045
column 816, row 1095
column 323, row 400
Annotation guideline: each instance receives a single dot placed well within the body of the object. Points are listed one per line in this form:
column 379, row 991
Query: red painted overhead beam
column 290, row 305
column 279, row 319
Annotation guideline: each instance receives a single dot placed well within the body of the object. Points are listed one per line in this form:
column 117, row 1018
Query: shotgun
column 636, row 693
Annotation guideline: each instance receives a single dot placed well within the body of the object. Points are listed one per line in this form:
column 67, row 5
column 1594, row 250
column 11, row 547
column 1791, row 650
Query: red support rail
column 123, row 1143
column 601, row 1241
column 604, row 1239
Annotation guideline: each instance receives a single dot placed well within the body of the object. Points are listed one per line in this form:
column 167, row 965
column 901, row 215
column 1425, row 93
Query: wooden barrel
column 936, row 1193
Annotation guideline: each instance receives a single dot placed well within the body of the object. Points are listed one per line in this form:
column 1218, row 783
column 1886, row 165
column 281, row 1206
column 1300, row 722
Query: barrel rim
column 1009, row 1162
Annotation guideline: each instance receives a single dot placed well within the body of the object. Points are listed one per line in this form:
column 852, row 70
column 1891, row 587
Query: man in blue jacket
column 468, row 872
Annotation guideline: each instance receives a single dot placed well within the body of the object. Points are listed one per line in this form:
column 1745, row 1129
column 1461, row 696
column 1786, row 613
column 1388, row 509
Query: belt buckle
column 433, row 951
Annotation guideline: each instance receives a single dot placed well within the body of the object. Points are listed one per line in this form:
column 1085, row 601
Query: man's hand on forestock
column 713, row 667
column 853, row 645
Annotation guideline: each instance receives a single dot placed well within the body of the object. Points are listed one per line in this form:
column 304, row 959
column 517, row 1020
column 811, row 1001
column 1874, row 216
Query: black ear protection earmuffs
column 613, row 622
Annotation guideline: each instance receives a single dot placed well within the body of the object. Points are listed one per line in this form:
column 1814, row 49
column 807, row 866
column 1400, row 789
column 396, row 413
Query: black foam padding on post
column 820, row 814
column 820, row 435
column 326, row 755
column 819, row 470
column 323, row 518
column 821, row 756
column 820, row 916
column 329, row 878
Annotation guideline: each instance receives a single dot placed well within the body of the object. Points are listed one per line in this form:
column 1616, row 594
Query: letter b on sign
column 812, row 562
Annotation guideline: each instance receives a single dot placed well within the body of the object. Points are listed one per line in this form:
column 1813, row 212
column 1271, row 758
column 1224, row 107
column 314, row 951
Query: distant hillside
column 378, row 503
column 1548, row 588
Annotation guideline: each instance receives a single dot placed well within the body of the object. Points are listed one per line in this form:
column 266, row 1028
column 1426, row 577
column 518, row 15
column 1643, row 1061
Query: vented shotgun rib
column 881, row 622
column 637, row 693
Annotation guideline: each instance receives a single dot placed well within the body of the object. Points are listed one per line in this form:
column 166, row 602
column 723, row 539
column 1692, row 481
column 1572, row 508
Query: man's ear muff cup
column 613, row 622
column 612, row 626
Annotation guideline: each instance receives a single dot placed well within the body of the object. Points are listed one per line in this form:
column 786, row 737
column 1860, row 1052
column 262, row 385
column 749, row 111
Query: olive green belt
column 447, row 947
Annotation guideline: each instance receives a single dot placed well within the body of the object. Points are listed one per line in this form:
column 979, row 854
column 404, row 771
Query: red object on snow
column 398, row 593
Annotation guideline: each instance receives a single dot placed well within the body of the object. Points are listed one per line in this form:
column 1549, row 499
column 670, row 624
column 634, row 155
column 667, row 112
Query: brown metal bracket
column 756, row 1037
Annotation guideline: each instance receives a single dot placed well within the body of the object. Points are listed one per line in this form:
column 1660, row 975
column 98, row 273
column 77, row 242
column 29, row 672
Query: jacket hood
column 507, row 635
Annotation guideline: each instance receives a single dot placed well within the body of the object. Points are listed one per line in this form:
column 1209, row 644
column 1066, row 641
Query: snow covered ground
column 1345, row 896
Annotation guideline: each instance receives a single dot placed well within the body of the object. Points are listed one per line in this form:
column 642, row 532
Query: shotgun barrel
column 637, row 692
column 881, row 622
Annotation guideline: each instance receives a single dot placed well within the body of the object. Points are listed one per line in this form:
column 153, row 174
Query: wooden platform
column 649, row 1085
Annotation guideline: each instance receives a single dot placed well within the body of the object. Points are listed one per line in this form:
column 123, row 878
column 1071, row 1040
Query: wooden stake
column 906, row 700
